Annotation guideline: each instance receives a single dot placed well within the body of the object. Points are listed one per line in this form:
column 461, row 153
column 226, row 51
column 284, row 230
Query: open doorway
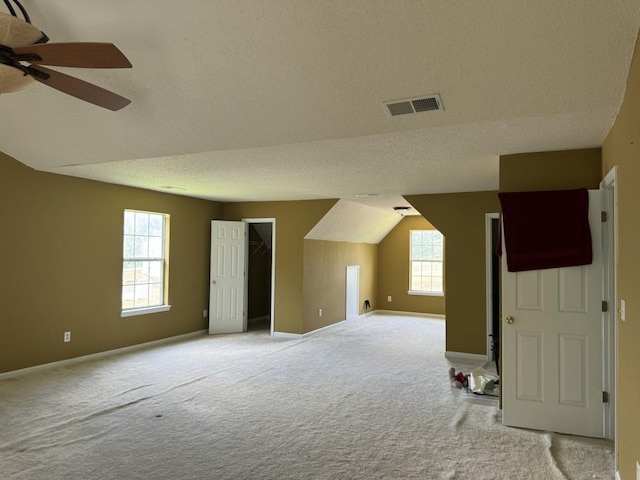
column 353, row 292
column 259, row 296
column 492, row 229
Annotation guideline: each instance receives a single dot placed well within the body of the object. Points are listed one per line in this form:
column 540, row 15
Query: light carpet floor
column 368, row 399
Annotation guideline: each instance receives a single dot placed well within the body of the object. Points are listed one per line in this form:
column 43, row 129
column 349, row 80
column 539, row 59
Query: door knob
column 510, row 320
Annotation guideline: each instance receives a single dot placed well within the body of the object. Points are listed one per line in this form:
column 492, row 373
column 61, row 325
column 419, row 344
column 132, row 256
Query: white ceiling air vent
column 428, row 103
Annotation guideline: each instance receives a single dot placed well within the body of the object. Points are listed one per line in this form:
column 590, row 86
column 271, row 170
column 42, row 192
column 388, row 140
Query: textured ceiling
column 278, row 100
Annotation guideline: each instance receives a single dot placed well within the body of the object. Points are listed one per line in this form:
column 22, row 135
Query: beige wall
column 461, row 219
column 393, row 271
column 293, row 222
column 622, row 148
column 61, row 266
column 325, row 265
column 551, row 170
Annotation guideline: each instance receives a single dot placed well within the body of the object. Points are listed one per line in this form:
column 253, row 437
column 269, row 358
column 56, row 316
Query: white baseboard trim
column 411, row 314
column 292, row 336
column 326, row 327
column 465, row 356
column 618, row 477
column 299, row 336
column 95, row 356
column 360, row 317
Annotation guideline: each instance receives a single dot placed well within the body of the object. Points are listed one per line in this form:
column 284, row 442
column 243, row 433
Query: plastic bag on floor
column 482, row 381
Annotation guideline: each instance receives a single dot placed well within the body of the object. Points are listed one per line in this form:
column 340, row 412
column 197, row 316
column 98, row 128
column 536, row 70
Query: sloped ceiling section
column 350, row 221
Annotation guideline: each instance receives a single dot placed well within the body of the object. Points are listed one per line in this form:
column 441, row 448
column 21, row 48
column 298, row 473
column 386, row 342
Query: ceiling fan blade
column 79, row 88
column 80, row 54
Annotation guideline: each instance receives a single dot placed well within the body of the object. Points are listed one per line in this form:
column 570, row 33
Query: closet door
column 227, row 279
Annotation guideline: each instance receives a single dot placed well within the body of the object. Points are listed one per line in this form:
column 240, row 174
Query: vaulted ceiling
column 239, row 100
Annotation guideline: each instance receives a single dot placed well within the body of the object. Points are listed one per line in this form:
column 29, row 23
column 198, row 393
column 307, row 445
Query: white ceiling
column 239, row 100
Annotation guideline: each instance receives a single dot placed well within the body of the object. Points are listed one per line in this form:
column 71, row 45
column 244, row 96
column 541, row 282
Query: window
column 427, row 253
column 144, row 263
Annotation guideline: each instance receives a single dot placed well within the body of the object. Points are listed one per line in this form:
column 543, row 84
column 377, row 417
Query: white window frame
column 162, row 256
column 435, row 293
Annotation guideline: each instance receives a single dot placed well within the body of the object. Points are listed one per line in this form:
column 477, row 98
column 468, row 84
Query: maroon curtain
column 548, row 229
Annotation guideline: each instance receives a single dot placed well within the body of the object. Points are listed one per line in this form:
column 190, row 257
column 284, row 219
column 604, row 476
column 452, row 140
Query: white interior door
column 552, row 350
column 227, row 279
column 353, row 292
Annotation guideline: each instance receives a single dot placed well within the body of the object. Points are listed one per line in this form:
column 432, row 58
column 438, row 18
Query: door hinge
column 605, row 397
column 605, row 306
column 603, row 216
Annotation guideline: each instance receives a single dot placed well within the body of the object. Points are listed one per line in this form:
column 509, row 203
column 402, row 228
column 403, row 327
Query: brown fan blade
column 83, row 55
column 79, row 88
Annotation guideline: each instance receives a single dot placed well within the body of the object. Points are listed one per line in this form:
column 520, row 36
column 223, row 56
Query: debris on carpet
column 479, row 381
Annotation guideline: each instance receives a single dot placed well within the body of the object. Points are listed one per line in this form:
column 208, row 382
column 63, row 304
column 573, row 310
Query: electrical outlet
column 389, row 298
column 205, row 312
column 319, row 312
column 623, row 310
column 67, row 336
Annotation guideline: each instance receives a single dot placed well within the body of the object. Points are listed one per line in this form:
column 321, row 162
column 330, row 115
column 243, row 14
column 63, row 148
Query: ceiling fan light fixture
column 23, row 49
column 13, row 80
column 15, row 32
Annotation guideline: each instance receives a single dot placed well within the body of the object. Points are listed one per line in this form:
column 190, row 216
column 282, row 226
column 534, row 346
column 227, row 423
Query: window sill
column 426, row 294
column 144, row 311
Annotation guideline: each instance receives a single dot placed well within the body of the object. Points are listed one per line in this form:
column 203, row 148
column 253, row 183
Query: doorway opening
column 353, row 292
column 492, row 230
column 260, row 277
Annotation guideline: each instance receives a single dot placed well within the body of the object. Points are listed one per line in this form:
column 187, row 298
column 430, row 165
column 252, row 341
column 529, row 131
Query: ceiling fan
column 24, row 49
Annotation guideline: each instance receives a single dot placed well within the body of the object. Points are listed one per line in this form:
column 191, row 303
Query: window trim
column 132, row 312
column 425, row 293
column 165, row 306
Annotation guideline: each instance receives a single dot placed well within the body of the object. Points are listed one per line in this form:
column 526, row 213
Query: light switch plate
column 623, row 310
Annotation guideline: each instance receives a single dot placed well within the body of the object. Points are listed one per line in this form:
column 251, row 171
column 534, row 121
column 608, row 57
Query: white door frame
column 356, row 269
column 272, row 221
column 610, row 294
column 488, row 217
